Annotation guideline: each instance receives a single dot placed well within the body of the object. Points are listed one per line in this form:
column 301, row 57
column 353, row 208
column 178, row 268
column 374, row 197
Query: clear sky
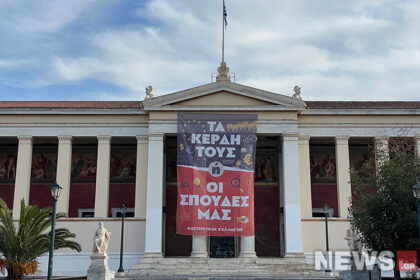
column 112, row 49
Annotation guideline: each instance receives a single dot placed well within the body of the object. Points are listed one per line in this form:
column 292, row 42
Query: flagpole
column 223, row 31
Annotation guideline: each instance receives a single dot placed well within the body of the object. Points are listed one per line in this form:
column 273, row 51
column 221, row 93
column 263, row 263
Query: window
column 86, row 212
column 319, row 212
column 116, row 212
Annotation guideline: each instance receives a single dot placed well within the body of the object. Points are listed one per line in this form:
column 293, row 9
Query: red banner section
column 215, row 206
column 216, row 174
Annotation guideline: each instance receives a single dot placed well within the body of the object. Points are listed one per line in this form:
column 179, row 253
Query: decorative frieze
column 290, row 137
column 156, row 137
column 304, row 140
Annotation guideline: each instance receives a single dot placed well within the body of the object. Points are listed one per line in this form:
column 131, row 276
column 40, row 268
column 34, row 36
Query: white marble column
column 305, row 177
column 343, row 175
column 102, row 176
column 248, row 247
column 141, row 176
column 23, row 173
column 153, row 246
column 64, row 171
column 199, row 246
column 381, row 150
column 291, row 193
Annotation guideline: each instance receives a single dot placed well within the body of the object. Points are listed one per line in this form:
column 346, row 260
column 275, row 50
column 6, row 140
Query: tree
column 383, row 209
column 22, row 244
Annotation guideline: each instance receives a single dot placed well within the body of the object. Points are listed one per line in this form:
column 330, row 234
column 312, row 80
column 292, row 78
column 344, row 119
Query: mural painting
column 265, row 167
column 123, row 166
column 83, row 166
column 8, row 166
column 322, row 160
column 44, row 166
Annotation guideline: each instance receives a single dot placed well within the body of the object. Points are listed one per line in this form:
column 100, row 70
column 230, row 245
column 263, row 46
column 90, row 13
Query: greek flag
column 225, row 14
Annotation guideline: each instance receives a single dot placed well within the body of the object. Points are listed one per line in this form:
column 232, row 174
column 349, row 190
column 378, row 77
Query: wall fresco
column 8, row 166
column 83, row 166
column 322, row 160
column 123, row 166
column 44, row 166
column 265, row 167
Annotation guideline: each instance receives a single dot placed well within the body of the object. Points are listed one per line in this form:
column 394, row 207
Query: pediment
column 223, row 96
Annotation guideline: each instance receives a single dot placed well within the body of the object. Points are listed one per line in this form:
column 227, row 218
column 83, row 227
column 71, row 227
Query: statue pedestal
column 98, row 269
column 374, row 274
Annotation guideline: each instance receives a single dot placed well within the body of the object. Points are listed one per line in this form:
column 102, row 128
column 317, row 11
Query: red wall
column 325, row 194
column 120, row 194
column 40, row 195
column 6, row 193
column 81, row 196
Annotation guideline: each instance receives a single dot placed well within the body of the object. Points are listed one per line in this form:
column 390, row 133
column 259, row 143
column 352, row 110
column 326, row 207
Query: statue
column 353, row 240
column 223, row 71
column 296, row 95
column 149, row 93
column 100, row 240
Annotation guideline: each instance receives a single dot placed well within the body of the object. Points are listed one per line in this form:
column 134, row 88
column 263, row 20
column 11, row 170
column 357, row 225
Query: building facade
column 106, row 154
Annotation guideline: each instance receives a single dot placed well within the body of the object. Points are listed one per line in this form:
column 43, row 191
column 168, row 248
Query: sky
column 113, row 49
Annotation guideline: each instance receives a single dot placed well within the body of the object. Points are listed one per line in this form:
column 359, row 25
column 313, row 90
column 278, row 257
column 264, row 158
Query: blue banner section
column 206, row 138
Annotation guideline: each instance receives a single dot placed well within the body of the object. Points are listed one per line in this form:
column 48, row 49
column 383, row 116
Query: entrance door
column 224, row 246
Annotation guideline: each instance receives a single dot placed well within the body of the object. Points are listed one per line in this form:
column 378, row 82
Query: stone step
column 228, row 277
column 208, row 268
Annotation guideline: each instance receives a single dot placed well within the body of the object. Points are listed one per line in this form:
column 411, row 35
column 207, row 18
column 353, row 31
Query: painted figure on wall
column 7, row 167
column 44, row 166
column 322, row 166
column 84, row 166
column 359, row 161
column 265, row 168
column 123, row 166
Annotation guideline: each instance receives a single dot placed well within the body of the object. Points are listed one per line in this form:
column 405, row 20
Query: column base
column 247, row 254
column 294, row 255
column 151, row 257
column 199, row 255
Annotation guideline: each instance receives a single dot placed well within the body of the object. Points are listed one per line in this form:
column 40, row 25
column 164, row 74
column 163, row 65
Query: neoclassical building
column 106, row 154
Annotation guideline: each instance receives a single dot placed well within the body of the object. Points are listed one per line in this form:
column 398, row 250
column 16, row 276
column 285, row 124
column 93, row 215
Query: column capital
column 341, row 140
column 381, row 138
column 104, row 139
column 304, row 139
column 64, row 139
column 142, row 139
column 156, row 137
column 25, row 139
column 290, row 136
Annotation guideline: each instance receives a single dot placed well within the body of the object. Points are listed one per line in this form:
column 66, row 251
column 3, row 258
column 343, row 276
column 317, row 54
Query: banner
column 216, row 155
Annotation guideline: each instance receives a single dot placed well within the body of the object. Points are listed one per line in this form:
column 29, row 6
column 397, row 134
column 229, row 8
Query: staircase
column 237, row 268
